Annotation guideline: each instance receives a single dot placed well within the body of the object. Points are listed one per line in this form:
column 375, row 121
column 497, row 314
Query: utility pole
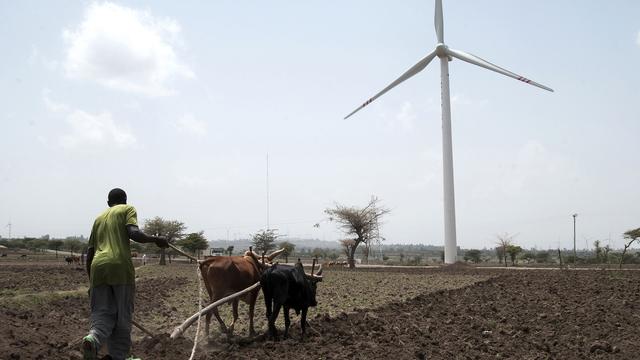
column 267, row 191
column 9, row 226
column 574, row 238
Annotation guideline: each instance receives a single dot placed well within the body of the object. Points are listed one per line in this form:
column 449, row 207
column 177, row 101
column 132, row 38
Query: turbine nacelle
column 441, row 51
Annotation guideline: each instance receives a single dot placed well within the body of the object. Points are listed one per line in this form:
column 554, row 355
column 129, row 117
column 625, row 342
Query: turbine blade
column 472, row 59
column 409, row 73
column 437, row 20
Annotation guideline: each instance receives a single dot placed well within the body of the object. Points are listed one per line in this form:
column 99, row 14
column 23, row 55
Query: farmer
column 111, row 277
column 144, row 259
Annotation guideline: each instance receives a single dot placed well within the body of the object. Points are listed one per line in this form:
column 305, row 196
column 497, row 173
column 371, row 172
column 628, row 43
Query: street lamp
column 574, row 238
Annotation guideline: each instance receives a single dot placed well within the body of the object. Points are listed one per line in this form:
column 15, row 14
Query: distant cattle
column 226, row 275
column 134, row 254
column 72, row 260
column 289, row 287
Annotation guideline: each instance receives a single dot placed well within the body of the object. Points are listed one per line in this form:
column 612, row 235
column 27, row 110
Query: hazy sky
column 180, row 103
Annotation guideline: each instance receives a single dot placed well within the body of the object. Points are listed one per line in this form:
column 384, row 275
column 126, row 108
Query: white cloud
column 406, row 116
column 37, row 58
column 190, row 125
column 198, row 182
column 460, row 99
column 523, row 174
column 90, row 129
column 125, row 49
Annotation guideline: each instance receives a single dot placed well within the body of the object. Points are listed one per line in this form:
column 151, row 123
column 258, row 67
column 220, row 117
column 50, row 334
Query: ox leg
column 252, row 306
column 223, row 327
column 207, row 320
column 234, row 306
column 287, row 321
column 303, row 322
column 273, row 332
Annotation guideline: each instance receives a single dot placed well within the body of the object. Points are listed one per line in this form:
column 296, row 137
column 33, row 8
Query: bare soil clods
column 452, row 313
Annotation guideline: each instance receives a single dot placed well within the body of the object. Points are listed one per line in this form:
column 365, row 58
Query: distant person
column 144, row 259
column 111, row 277
column 82, row 257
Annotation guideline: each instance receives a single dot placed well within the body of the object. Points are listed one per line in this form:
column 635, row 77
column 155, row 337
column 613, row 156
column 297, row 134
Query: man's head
column 116, row 197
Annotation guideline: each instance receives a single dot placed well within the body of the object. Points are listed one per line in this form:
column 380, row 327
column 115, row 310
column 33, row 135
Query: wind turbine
column 446, row 54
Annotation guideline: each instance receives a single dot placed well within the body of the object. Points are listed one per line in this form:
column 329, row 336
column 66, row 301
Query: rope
column 195, row 339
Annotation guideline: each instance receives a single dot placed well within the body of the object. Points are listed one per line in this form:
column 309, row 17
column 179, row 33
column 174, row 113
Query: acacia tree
column 194, row 242
column 173, row 230
column 288, row 247
column 363, row 224
column 631, row 236
column 264, row 240
column 504, row 241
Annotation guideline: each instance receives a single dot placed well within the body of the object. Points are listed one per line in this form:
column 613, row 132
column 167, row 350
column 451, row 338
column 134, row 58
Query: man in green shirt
column 112, row 278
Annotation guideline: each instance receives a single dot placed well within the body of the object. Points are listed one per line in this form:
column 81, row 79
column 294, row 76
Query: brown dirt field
column 452, row 313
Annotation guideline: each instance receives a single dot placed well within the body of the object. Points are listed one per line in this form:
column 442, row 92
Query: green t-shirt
column 111, row 263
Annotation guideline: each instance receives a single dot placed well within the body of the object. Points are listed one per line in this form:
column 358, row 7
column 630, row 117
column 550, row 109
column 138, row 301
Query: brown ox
column 226, row 275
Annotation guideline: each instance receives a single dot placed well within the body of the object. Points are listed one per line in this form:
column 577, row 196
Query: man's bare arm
column 137, row 235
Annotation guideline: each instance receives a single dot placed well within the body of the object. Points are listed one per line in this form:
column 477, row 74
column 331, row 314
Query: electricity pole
column 267, row 191
column 574, row 238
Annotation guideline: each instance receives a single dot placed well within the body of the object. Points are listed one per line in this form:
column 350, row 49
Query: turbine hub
column 441, row 50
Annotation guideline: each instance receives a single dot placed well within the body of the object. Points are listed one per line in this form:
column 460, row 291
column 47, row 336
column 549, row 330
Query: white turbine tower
column 445, row 54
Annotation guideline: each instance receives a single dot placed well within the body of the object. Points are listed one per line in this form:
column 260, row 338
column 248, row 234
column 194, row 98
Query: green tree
column 631, row 236
column 318, row 253
column 264, row 240
column 41, row 244
column 288, row 247
column 363, row 224
column 472, row 255
column 72, row 244
column 528, row 256
column 543, row 257
column 173, row 230
column 605, row 254
column 194, row 242
column 598, row 248
column 136, row 246
column 513, row 251
column 504, row 241
column 55, row 245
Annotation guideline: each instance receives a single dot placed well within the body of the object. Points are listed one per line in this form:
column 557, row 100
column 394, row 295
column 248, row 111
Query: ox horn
column 263, row 257
column 275, row 254
column 313, row 265
column 319, row 273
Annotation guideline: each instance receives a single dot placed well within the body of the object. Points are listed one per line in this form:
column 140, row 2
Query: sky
column 182, row 103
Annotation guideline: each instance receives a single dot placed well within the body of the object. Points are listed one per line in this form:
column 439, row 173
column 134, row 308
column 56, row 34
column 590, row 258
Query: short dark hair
column 117, row 196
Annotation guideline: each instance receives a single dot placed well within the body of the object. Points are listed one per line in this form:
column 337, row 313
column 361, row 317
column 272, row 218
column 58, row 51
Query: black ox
column 289, row 287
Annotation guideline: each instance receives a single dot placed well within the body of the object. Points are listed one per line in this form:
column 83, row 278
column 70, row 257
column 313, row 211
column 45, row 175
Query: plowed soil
column 451, row 313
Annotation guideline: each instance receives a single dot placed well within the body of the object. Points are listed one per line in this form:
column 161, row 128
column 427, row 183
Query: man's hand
column 162, row 242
